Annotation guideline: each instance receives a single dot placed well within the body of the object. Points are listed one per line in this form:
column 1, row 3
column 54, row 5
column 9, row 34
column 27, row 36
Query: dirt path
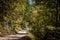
column 12, row 37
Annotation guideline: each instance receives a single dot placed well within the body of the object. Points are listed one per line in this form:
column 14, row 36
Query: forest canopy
column 40, row 17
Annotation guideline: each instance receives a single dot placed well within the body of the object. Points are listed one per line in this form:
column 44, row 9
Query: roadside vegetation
column 40, row 17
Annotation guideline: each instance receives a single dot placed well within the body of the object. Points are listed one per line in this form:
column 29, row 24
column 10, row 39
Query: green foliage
column 43, row 14
column 50, row 27
column 40, row 19
column 11, row 13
